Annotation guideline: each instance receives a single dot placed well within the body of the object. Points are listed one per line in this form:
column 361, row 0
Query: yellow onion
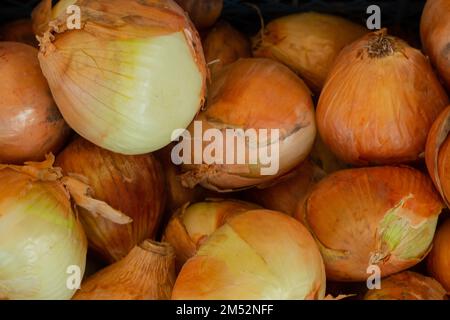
column 407, row 286
column 224, row 45
column 379, row 102
column 19, row 31
column 288, row 192
column 257, row 255
column 146, row 273
column 192, row 224
column 203, row 13
column 133, row 185
column 42, row 244
column 117, row 79
column 307, row 42
column 30, row 123
column 439, row 258
column 382, row 216
column 255, row 94
column 435, row 34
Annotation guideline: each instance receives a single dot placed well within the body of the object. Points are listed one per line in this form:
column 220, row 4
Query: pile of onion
column 146, row 273
column 256, row 94
column 224, row 45
column 381, row 216
column 192, row 224
column 408, row 286
column 30, row 123
column 19, row 31
column 203, row 13
column 435, row 34
column 133, row 185
column 439, row 257
column 258, row 254
column 42, row 244
column 307, row 42
column 379, row 102
column 117, row 79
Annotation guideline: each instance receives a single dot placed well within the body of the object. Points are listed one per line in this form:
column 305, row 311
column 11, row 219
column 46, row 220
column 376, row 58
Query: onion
column 203, row 13
column 382, row 216
column 307, row 42
column 117, row 80
column 290, row 191
column 224, row 45
column 435, row 34
column 146, row 273
column 259, row 254
column 407, row 286
column 27, row 108
column 133, row 185
column 42, row 244
column 379, row 102
column 192, row 224
column 439, row 258
column 19, row 31
column 254, row 94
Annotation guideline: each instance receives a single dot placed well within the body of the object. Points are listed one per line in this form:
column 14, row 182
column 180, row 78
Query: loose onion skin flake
column 381, row 216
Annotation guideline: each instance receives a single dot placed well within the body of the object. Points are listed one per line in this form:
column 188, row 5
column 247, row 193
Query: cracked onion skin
column 255, row 93
column 30, row 123
column 379, row 102
column 435, row 35
column 256, row 255
column 383, row 216
column 439, row 257
column 133, row 185
column 408, row 286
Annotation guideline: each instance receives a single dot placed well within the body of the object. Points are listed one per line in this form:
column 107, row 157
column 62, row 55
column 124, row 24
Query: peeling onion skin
column 256, row 255
column 133, row 185
column 384, row 216
column 379, row 102
column 435, row 35
column 255, row 93
column 30, row 123
column 408, row 286
column 439, row 257
column 203, row 13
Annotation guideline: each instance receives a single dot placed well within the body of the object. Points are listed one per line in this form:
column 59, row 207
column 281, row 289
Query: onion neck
column 381, row 45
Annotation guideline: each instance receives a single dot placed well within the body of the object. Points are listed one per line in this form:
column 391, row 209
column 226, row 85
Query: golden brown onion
column 439, row 258
column 203, row 13
column 259, row 254
column 379, row 102
column 132, row 184
column 224, row 45
column 307, row 42
column 19, row 31
column 407, row 286
column 382, row 216
column 435, row 34
column 254, row 94
column 192, row 224
column 30, row 123
column 146, row 273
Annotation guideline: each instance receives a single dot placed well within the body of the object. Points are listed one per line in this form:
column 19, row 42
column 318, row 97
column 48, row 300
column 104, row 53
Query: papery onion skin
column 30, row 123
column 203, row 13
column 407, row 286
column 435, row 35
column 224, row 45
column 255, row 93
column 257, row 255
column 192, row 224
column 383, row 216
column 133, row 185
column 40, row 238
column 379, row 102
column 19, row 31
column 116, row 81
column 439, row 257
column 146, row 273
column 307, row 42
